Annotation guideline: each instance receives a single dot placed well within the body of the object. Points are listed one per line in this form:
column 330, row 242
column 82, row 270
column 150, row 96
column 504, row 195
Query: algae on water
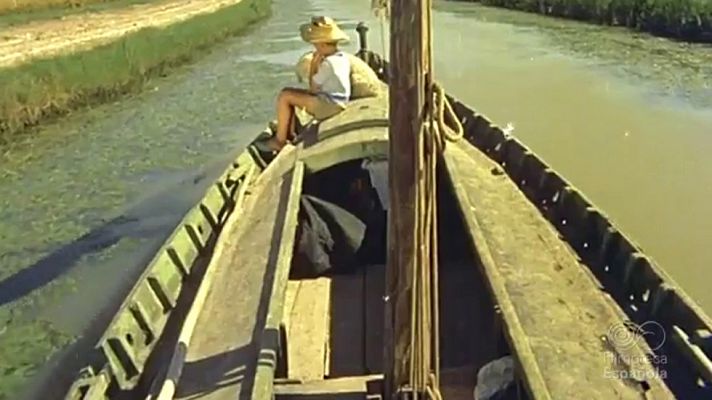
column 25, row 351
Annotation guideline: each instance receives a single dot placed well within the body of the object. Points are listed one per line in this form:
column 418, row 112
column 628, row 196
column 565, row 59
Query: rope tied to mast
column 441, row 125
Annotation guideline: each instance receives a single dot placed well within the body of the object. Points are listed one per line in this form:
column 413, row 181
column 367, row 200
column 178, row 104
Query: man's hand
column 317, row 59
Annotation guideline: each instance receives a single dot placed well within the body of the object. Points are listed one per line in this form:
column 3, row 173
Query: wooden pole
column 408, row 68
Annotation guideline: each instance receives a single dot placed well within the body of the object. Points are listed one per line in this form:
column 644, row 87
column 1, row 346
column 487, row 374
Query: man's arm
column 318, row 72
column 313, row 87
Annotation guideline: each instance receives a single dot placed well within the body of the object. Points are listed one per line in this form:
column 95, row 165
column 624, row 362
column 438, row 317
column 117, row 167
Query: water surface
column 86, row 202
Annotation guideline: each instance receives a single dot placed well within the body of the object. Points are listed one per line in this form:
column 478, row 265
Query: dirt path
column 40, row 39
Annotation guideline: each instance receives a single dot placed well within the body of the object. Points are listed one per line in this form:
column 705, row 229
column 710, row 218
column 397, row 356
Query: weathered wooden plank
column 554, row 315
column 365, row 143
column 346, row 340
column 306, row 317
column 374, row 311
column 360, row 113
column 281, row 256
column 458, row 383
column 164, row 386
column 222, row 358
column 350, row 387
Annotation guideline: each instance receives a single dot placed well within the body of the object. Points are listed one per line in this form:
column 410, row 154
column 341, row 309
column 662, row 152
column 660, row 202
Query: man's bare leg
column 292, row 130
column 287, row 100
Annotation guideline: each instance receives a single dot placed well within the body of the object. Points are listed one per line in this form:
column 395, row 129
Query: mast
column 408, row 79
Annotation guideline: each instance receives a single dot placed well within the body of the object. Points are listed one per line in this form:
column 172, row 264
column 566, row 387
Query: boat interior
column 323, row 325
column 333, row 323
column 535, row 283
column 296, row 309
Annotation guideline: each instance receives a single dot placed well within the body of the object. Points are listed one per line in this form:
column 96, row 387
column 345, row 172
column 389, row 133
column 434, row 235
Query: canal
column 87, row 200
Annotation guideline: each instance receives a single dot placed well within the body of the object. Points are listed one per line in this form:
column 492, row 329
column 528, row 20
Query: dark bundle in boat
column 274, row 285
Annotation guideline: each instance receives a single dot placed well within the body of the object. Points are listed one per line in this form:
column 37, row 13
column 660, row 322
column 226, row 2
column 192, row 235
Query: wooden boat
column 529, row 269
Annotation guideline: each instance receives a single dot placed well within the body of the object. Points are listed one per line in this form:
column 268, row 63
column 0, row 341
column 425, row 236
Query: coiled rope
column 441, row 125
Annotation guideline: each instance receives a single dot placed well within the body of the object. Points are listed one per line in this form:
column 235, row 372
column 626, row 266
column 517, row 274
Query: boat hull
column 598, row 256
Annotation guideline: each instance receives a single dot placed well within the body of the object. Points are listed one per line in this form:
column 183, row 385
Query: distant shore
column 687, row 20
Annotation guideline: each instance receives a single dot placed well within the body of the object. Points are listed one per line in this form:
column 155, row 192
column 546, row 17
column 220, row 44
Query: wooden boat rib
column 529, row 267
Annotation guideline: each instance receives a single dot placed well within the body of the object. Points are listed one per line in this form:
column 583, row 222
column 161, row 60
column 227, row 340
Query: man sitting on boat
column 329, row 80
column 364, row 81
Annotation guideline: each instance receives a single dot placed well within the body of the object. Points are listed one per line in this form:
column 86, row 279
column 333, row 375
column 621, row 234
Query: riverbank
column 45, row 89
column 687, row 20
column 13, row 17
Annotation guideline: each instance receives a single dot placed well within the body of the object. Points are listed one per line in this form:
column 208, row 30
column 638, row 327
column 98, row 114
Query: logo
column 624, row 365
column 628, row 334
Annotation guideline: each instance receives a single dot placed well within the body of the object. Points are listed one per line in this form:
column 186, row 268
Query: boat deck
column 334, row 332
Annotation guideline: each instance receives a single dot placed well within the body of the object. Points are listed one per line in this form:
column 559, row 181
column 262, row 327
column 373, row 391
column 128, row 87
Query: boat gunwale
column 568, row 208
column 270, row 347
column 202, row 224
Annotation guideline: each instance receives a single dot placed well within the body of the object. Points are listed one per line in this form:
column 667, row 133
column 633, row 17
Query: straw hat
column 322, row 30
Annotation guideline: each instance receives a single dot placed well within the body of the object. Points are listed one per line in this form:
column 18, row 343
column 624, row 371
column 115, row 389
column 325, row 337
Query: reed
column 35, row 92
column 689, row 20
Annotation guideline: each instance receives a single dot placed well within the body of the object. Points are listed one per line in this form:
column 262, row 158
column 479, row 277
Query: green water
column 623, row 116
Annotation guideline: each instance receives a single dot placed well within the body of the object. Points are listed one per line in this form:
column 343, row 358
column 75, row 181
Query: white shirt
column 334, row 77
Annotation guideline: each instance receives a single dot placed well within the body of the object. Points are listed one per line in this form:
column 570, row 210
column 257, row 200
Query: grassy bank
column 689, row 20
column 45, row 89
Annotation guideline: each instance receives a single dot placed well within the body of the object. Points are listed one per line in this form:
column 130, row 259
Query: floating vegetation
column 33, row 341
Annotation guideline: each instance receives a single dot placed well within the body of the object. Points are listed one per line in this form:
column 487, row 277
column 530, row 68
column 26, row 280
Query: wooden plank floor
column 458, row 383
column 553, row 309
column 307, row 318
column 375, row 281
column 361, row 387
column 335, row 325
column 346, row 340
column 223, row 351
